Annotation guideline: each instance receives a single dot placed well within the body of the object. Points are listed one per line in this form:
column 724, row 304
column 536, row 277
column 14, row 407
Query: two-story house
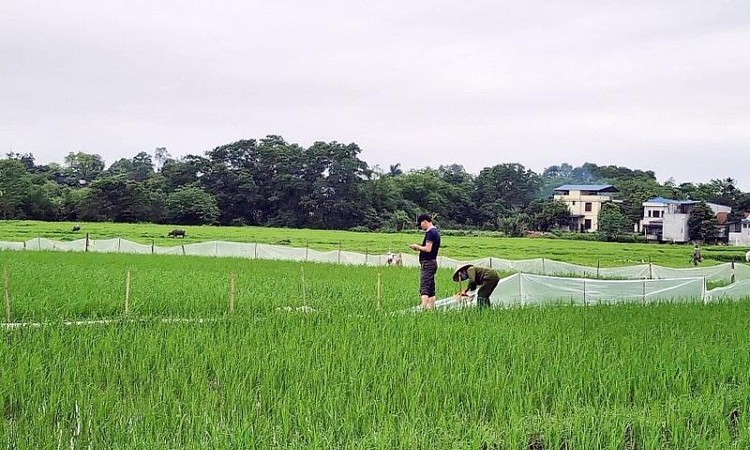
column 584, row 202
column 739, row 232
column 666, row 220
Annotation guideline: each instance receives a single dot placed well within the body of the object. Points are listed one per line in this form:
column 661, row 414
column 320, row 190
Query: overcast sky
column 653, row 85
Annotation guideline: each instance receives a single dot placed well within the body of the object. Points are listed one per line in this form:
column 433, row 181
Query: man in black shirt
column 428, row 253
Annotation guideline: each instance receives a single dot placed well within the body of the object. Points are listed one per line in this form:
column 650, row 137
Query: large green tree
column 83, row 168
column 191, row 205
column 545, row 215
column 702, row 223
column 15, row 188
column 501, row 189
column 612, row 222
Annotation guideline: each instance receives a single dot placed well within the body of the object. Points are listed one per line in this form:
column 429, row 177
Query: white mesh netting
column 538, row 280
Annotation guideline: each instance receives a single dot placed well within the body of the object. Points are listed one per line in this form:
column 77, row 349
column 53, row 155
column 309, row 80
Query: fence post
column 183, row 249
column 650, row 269
column 339, row 252
column 232, row 291
column 731, row 277
column 118, row 245
column 644, row 292
column 584, row 290
column 87, row 242
column 6, row 294
column 39, row 243
column 24, row 245
column 597, row 268
column 256, row 251
column 127, row 294
column 152, row 246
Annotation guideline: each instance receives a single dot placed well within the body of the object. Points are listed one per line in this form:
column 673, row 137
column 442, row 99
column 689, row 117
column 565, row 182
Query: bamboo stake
column 378, row 290
column 127, row 294
column 5, row 291
column 232, row 291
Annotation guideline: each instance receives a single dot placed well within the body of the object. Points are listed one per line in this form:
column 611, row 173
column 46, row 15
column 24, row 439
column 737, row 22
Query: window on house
column 588, row 207
column 651, row 214
column 574, row 203
column 587, row 224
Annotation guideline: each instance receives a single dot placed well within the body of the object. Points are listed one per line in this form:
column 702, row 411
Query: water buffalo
column 177, row 232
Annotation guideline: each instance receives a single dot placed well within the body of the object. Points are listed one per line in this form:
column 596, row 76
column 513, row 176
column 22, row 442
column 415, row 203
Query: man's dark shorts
column 427, row 273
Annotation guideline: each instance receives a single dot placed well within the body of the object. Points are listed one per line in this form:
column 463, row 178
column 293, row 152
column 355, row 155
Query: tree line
column 271, row 182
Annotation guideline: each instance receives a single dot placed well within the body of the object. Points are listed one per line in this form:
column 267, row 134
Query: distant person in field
column 696, row 258
column 477, row 276
column 428, row 253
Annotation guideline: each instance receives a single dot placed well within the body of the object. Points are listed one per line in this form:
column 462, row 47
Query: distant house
column 739, row 232
column 584, row 202
column 666, row 220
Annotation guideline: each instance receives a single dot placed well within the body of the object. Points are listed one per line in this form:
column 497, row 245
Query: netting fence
column 534, row 282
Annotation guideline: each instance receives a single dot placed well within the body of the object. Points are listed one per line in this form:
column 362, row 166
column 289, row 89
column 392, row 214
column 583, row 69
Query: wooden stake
column 87, row 242
column 232, row 291
column 5, row 292
column 378, row 290
column 127, row 294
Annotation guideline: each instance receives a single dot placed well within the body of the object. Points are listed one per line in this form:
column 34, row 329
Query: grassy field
column 356, row 372
column 620, row 377
column 459, row 247
column 53, row 286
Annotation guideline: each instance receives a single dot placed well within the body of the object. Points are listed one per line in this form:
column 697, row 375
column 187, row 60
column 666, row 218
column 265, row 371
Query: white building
column 584, row 202
column 666, row 220
column 739, row 232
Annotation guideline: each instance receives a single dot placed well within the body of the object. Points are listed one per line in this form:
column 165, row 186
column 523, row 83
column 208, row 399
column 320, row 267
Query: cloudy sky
column 659, row 85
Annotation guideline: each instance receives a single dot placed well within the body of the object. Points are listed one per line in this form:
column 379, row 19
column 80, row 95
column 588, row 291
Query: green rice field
column 315, row 356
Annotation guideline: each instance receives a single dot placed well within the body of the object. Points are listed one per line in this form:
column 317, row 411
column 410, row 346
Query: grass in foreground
column 657, row 377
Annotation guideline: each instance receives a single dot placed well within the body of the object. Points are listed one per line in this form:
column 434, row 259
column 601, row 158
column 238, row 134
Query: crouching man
column 482, row 277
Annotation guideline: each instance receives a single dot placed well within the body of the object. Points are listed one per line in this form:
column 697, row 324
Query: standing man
column 477, row 276
column 428, row 253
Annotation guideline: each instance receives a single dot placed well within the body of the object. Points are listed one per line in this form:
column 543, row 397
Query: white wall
column 675, row 228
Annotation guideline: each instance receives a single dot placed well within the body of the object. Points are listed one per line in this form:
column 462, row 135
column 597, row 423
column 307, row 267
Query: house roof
column 722, row 217
column 588, row 187
column 669, row 201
